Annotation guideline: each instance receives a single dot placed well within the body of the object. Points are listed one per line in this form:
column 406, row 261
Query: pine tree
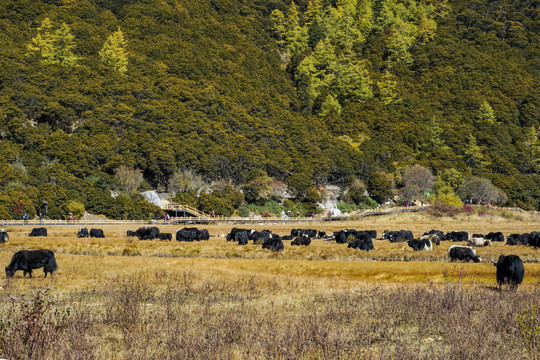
column 401, row 41
column 318, row 30
column 364, row 16
column 383, row 16
column 54, row 48
column 296, row 37
column 532, row 143
column 317, row 73
column 313, row 9
column 42, row 43
column 426, row 24
column 434, row 137
column 63, row 45
column 473, row 153
column 486, row 113
column 113, row 53
column 346, row 34
column 278, row 24
column 353, row 83
column 387, row 89
column 330, row 107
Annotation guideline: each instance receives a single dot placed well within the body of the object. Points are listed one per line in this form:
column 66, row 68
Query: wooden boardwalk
column 184, row 211
column 198, row 217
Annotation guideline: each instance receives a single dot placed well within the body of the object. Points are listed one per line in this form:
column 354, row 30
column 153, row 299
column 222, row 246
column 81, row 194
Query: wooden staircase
column 184, row 211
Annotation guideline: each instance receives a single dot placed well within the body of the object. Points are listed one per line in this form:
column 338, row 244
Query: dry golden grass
column 121, row 298
column 84, row 262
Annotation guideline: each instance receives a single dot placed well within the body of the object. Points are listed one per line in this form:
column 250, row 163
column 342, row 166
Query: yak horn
column 494, row 263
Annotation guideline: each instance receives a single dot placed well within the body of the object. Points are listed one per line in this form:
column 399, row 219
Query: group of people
column 290, row 214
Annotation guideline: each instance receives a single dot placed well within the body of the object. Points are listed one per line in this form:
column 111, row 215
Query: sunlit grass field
column 82, row 261
column 122, row 298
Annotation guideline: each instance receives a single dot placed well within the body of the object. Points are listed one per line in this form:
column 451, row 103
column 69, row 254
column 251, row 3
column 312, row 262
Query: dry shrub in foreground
column 190, row 316
column 30, row 327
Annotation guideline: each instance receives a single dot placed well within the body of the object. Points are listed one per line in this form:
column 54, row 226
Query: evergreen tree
column 113, row 53
column 401, row 40
column 383, row 16
column 278, row 24
column 54, row 48
column 42, row 43
column 316, row 73
column 426, row 24
column 434, row 137
column 532, row 143
column 318, row 30
column 295, row 35
column 330, row 107
column 313, row 9
column 379, row 187
column 346, row 33
column 364, row 16
column 486, row 115
column 387, row 89
column 63, row 45
column 353, row 83
column 473, row 153
column 451, row 177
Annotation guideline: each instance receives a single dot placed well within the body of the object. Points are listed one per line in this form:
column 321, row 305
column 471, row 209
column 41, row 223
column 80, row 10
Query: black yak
column 466, row 253
column 27, row 260
column 510, row 270
column 38, row 232
column 96, row 233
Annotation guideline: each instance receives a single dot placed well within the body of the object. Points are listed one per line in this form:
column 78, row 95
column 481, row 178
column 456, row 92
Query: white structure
column 331, row 201
column 152, row 196
column 335, row 212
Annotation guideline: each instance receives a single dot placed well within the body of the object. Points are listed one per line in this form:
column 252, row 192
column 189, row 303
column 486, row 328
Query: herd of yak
column 510, row 268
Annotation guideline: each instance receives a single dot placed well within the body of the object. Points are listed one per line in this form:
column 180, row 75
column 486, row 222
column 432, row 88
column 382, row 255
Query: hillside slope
column 212, row 87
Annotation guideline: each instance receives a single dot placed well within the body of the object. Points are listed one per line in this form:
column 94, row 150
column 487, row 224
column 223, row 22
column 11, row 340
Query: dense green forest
column 232, row 103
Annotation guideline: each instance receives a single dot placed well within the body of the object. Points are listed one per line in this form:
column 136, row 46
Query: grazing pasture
column 123, row 298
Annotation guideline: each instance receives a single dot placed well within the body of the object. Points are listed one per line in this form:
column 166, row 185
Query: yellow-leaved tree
column 114, row 53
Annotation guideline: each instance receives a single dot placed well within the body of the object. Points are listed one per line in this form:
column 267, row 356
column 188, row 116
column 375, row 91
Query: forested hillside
column 230, row 103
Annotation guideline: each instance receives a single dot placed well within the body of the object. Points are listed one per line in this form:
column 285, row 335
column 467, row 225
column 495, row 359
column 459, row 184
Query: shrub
column 15, row 204
column 440, row 210
column 76, row 208
column 274, row 207
column 368, row 203
column 345, row 207
column 288, row 204
column 528, row 321
column 32, row 327
column 450, row 199
column 244, row 211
